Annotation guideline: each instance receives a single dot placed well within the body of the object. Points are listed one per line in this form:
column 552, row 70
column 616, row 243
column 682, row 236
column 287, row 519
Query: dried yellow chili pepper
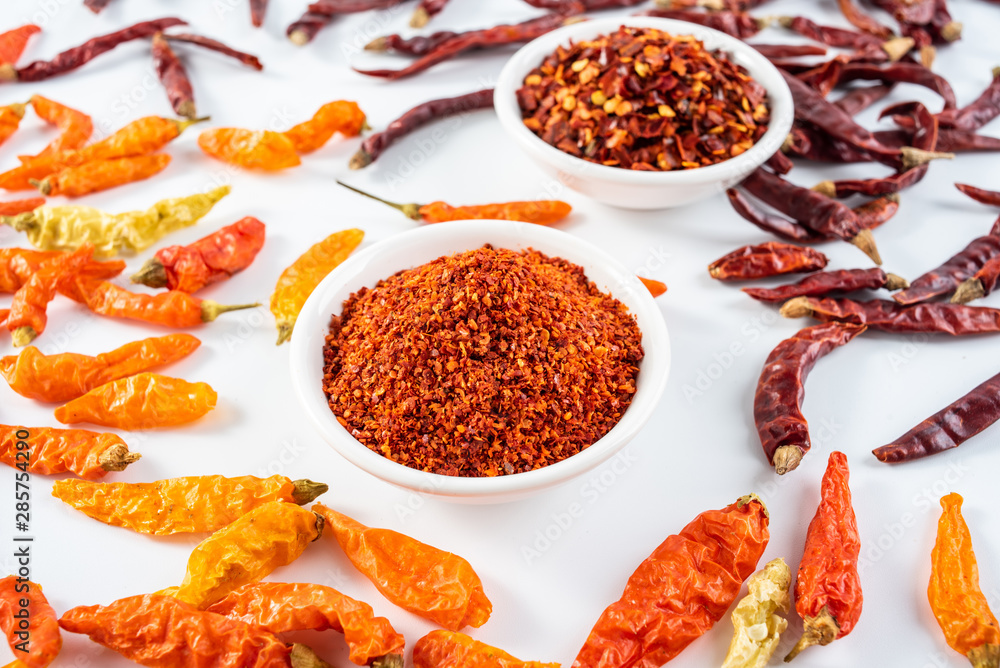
column 182, row 505
column 299, row 280
column 250, row 548
column 758, row 626
column 69, row 227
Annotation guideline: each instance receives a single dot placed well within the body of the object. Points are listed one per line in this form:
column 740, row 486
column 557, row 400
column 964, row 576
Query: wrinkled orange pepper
column 10, row 120
column 99, row 175
column 37, row 645
column 12, row 43
column 340, row 116
column 251, row 149
column 448, row 649
column 86, row 453
column 281, row 607
column 27, row 317
column 142, row 401
column 75, row 127
column 18, row 265
column 181, row 505
column 65, row 376
column 434, row 584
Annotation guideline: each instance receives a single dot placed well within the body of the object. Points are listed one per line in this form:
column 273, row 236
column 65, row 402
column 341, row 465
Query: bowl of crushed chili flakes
column 652, row 114
column 480, row 361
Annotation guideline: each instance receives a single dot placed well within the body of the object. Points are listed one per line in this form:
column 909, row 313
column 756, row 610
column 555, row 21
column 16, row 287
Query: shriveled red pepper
column 282, row 607
column 902, row 72
column 856, row 100
column 878, row 211
column 429, row 582
column 888, row 316
column 209, row 260
column 771, row 258
column 829, row 35
column 777, row 412
column 27, row 317
column 52, row 451
column 982, row 283
column 174, row 77
column 980, row 112
column 10, row 119
column 420, row 115
column 863, row 21
column 425, row 10
column 247, row 59
column 946, row 278
column 96, row 6
column 339, row 116
column 29, row 623
column 828, row 593
column 949, row 140
column 18, row 265
column 448, row 649
column 101, row 175
column 769, row 222
column 306, row 27
column 65, row 376
column 75, row 127
column 12, row 43
column 681, row 590
column 143, row 401
column 737, row 24
column 418, row 45
column 990, row 197
column 825, row 282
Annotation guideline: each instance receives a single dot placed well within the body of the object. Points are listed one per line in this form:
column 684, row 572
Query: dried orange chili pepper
column 429, row 582
column 340, row 116
column 281, row 607
column 10, row 120
column 143, row 401
column 27, row 317
column 681, row 590
column 298, row 281
column 969, row 626
column 18, row 265
column 656, row 288
column 29, row 623
column 181, row 505
column 12, row 43
column 170, row 309
column 4, row 312
column 60, row 378
column 75, row 126
column 264, row 149
column 269, row 536
column 101, row 175
column 448, row 649
column 14, row 207
column 86, row 453
column 828, row 589
column 540, row 212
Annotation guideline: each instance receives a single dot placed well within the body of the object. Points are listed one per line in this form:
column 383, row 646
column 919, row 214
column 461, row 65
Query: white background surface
column 699, row 452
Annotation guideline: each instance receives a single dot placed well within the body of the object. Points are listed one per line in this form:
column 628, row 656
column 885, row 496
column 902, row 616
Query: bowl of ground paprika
column 644, row 112
column 480, row 361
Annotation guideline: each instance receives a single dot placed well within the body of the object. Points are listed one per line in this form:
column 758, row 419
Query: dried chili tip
column 866, row 242
column 895, row 282
column 305, row 491
column 361, row 159
column 952, row 31
column 914, row 157
column 117, row 458
column 819, row 630
column 211, row 310
column 898, row 47
column 378, row 44
column 656, row 288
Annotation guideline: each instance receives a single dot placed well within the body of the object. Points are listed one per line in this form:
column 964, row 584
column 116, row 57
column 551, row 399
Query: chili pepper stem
column 299, row 37
column 185, row 123
column 826, row 188
column 306, row 490
column 117, row 457
column 749, row 498
column 320, row 523
column 866, row 242
column 378, row 44
column 952, row 31
column 985, row 656
column 409, row 210
column 388, row 661
column 420, row 18
column 302, row 656
column 44, row 186
column 927, row 55
column 898, row 47
column 152, row 274
column 284, row 333
column 894, row 282
column 20, row 222
column 796, row 308
column 914, row 157
column 22, row 336
column 360, row 160
column 786, row 458
column 7, row 72
column 211, row 310
column 819, row 630
column 969, row 290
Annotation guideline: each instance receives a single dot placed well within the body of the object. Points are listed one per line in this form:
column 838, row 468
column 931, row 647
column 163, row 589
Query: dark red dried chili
column 779, row 163
column 771, row 258
column 214, row 45
column 418, row 45
column 174, row 78
column 425, row 10
column 769, row 222
column 788, row 50
column 990, row 197
column 874, row 187
column 913, row 73
column 949, row 140
column 874, row 213
column 306, row 27
column 258, row 8
column 946, row 278
column 979, row 113
column 862, row 21
column 334, row 7
column 737, row 24
column 96, row 6
column 825, row 282
column 888, row 316
column 829, row 35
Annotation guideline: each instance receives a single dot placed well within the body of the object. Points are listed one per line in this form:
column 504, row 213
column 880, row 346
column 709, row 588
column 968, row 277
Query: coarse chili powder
column 482, row 363
column 644, row 99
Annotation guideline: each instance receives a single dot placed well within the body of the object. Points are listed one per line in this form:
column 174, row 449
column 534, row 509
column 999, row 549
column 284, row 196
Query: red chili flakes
column 482, row 363
column 643, row 99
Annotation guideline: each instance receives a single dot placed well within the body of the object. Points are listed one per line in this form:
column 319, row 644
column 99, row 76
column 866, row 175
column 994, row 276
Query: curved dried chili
column 825, row 282
column 29, row 623
column 888, row 316
column 771, row 258
column 947, row 277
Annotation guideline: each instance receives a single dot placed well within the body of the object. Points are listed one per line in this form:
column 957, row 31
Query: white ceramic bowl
column 639, row 189
column 422, row 245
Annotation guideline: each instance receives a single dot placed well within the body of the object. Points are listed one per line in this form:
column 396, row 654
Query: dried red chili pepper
column 656, row 288
column 767, row 259
column 335, row 7
column 96, row 6
column 783, row 430
column 420, row 115
column 580, row 6
column 172, row 74
column 17, row 265
column 813, row 210
column 425, row 10
column 712, row 5
column 540, row 212
column 66, row 376
column 29, row 623
column 946, row 278
column 12, row 43
column 838, row 37
column 888, row 316
column 214, row 45
column 788, row 50
column 418, row 45
column 340, row 116
column 737, row 24
column 98, row 175
column 681, row 590
column 781, row 227
column 258, row 8
column 209, row 260
column 779, row 163
column 14, row 207
column 823, row 77
column 448, row 649
column 27, row 318
column 10, row 119
column 949, row 140
column 77, row 56
column 863, row 21
column 857, row 100
column 977, row 114
column 305, row 29
column 990, row 197
column 828, row 588
column 52, row 451
column 908, row 11
column 982, row 283
column 75, row 127
column 825, row 282
column 914, row 73
column 878, row 211
column 279, row 608
column 872, row 187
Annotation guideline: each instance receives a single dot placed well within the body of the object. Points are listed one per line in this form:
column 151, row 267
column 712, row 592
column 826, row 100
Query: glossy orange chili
column 448, row 649
column 99, row 175
column 10, row 120
column 75, row 127
column 29, row 622
column 12, row 43
column 28, row 317
column 86, row 453
column 340, row 116
column 18, row 265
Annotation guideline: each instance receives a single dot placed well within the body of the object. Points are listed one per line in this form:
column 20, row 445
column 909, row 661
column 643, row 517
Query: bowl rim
column 654, row 367
column 531, row 55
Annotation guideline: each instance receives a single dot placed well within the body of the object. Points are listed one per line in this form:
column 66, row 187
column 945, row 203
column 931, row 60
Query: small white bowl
column 422, row 245
column 640, row 189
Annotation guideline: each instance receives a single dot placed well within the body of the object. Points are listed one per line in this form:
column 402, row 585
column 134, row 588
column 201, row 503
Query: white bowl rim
column 531, row 55
column 654, row 369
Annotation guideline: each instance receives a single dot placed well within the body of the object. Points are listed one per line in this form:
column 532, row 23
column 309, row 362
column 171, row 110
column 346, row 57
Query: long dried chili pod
column 447, row 591
column 989, row 197
column 959, row 606
column 449, row 649
column 878, row 211
column 209, row 260
column 143, row 401
column 283, row 607
column 829, row 35
column 771, row 258
column 418, row 45
column 340, row 116
column 946, row 278
column 86, row 453
column 948, row 428
column 29, row 623
column 681, row 590
column 101, row 175
column 270, row 536
column 888, row 316
column 825, row 282
column 769, row 222
column 247, row 59
column 828, row 593
column 27, row 318
column 418, row 116
column 902, row 72
column 306, row 27
column 980, row 112
column 13, row 42
column 77, row 56
column 777, row 411
column 856, row 100
column 96, row 6
column 18, row 265
column 757, row 626
column 174, row 77
column 66, row 376
column 300, row 278
column 737, row 24
column 863, row 21
column 982, row 283
column 182, row 505
column 75, row 127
